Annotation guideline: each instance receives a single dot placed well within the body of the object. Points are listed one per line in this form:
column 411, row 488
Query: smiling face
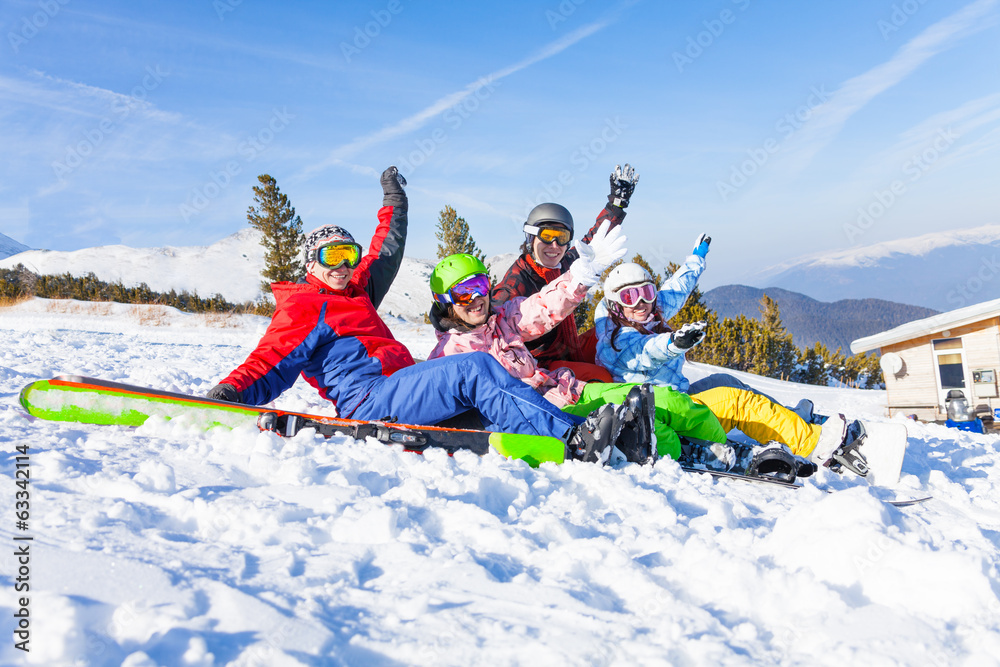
column 474, row 314
column 548, row 254
column 639, row 312
column 337, row 278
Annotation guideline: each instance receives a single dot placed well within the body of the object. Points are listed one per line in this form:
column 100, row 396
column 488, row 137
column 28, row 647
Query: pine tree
column 454, row 237
column 281, row 231
column 777, row 355
column 812, row 366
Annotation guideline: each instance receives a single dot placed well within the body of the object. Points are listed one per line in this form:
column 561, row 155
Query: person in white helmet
column 635, row 344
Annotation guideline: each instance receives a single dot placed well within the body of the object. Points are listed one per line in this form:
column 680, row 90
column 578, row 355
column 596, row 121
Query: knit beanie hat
column 324, row 235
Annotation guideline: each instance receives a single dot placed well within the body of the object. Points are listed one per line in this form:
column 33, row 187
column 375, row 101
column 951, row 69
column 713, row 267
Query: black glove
column 224, row 392
column 393, row 182
column 689, row 335
column 623, row 180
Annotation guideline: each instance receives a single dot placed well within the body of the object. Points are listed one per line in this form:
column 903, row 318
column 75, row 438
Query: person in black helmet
column 547, row 254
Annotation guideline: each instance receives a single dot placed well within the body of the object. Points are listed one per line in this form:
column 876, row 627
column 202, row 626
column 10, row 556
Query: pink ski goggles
column 630, row 296
column 464, row 292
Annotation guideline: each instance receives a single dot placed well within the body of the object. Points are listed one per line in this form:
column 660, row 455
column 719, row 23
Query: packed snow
column 165, row 546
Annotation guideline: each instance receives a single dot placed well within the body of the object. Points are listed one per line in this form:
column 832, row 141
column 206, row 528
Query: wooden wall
column 915, row 391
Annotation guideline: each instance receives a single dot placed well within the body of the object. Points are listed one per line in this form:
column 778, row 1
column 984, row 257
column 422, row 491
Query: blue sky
column 778, row 129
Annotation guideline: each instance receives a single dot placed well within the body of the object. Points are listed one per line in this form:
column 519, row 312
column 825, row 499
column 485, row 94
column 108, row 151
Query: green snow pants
column 676, row 414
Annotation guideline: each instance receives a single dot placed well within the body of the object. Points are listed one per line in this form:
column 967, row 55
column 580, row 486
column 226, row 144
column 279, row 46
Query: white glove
column 605, row 248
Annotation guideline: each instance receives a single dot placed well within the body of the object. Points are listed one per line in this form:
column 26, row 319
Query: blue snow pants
column 437, row 389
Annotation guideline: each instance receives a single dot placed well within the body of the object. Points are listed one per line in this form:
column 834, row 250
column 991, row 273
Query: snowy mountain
column 164, row 545
column 9, row 246
column 231, row 267
column 943, row 270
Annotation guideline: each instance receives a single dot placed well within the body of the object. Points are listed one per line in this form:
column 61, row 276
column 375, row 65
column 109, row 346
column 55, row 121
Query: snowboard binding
column 849, row 454
column 637, row 442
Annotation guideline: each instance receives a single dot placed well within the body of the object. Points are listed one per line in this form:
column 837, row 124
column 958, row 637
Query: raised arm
column 623, row 180
column 677, row 288
column 385, row 254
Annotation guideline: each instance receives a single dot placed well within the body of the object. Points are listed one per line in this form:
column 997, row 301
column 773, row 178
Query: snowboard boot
column 593, row 440
column 637, row 443
column 839, row 446
column 773, row 460
column 804, row 409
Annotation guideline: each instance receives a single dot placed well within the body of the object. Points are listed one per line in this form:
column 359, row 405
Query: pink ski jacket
column 513, row 322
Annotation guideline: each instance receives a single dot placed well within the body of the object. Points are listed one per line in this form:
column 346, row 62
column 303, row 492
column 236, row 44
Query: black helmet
column 548, row 214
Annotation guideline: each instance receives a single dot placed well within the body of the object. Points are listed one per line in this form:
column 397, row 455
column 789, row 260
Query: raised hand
column 392, row 181
column 623, row 180
column 701, row 245
column 605, row 248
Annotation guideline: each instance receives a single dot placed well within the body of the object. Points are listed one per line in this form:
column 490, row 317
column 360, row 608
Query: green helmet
column 453, row 269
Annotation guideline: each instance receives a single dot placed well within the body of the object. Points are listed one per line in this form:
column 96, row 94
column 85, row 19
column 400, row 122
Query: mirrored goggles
column 633, row 294
column 561, row 236
column 464, row 292
column 334, row 255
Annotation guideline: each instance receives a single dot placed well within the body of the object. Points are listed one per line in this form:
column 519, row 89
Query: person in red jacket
column 546, row 255
column 327, row 329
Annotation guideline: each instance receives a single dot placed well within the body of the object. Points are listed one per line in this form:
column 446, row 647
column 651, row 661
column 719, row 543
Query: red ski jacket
column 526, row 277
column 334, row 338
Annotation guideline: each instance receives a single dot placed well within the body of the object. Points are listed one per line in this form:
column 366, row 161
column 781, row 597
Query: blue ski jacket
column 639, row 357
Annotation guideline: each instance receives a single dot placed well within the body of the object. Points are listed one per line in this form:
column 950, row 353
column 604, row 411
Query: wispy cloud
column 830, row 117
column 341, row 154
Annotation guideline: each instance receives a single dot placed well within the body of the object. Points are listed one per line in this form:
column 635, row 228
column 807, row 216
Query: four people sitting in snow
column 516, row 360
column 327, row 330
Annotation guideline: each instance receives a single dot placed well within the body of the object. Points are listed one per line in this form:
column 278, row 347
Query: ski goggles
column 561, row 236
column 464, row 292
column 630, row 296
column 333, row 255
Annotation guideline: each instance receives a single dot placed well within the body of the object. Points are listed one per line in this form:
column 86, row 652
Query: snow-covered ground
column 162, row 546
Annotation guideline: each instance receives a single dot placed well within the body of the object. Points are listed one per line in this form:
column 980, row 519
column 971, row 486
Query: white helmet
column 624, row 275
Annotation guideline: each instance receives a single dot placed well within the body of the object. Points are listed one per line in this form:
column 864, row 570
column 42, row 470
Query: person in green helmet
column 466, row 321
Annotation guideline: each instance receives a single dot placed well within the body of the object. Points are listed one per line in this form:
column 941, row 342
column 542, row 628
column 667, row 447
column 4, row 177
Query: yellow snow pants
column 760, row 418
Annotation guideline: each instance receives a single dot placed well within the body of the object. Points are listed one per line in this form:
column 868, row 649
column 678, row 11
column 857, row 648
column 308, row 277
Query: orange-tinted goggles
column 334, row 255
column 561, row 236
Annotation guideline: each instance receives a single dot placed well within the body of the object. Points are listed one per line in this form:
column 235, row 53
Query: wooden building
column 925, row 359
